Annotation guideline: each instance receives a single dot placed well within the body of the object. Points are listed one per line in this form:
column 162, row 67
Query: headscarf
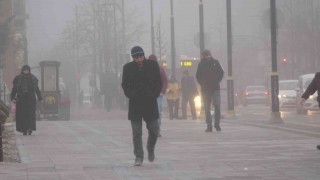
column 25, row 67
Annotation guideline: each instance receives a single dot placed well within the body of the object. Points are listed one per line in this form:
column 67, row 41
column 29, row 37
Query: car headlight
column 282, row 96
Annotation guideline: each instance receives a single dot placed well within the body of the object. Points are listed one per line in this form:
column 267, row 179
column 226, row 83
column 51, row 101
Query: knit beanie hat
column 137, row 51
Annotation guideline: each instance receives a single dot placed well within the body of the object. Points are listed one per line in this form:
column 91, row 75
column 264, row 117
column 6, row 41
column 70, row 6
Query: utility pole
column 160, row 42
column 115, row 37
column 275, row 115
column 313, row 44
column 173, row 49
column 231, row 111
column 78, row 77
column 152, row 28
column 201, row 34
column 124, row 40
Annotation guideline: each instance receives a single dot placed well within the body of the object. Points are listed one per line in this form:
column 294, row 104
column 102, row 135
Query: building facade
column 13, row 44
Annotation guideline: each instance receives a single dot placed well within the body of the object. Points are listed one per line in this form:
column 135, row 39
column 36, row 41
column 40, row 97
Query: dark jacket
column 24, row 90
column 188, row 87
column 142, row 87
column 209, row 74
column 164, row 80
column 313, row 87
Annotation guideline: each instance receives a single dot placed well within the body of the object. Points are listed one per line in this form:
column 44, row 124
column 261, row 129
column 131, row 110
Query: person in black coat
column 141, row 83
column 312, row 88
column 24, row 91
column 189, row 92
column 209, row 75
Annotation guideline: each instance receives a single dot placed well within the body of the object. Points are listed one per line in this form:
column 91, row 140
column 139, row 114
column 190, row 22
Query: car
column 287, row 93
column 256, row 95
column 312, row 103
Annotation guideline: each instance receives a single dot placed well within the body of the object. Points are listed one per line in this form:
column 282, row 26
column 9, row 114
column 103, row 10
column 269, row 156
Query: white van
column 287, row 93
column 311, row 103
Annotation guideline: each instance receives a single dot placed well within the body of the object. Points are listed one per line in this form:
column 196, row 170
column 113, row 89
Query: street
column 308, row 124
column 102, row 149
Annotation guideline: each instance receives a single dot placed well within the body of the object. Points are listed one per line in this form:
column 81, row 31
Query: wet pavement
column 102, row 149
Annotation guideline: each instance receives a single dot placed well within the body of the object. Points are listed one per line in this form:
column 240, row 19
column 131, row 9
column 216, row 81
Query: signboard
column 50, row 87
column 50, row 78
column 186, row 63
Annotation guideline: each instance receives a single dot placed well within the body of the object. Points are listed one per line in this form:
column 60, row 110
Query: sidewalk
column 102, row 149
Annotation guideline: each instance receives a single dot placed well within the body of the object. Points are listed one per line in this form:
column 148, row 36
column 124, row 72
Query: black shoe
column 150, row 154
column 24, row 133
column 138, row 162
column 29, row 132
column 318, row 147
column 209, row 130
column 218, row 128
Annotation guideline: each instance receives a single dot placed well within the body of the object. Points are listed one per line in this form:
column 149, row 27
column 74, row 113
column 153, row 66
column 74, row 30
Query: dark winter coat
column 24, row 90
column 142, row 86
column 209, row 75
column 164, row 80
column 313, row 87
column 188, row 87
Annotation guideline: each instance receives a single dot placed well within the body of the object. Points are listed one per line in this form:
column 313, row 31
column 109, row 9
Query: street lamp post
column 275, row 115
column 78, row 79
column 173, row 49
column 201, row 23
column 230, row 87
column 152, row 28
column 115, row 37
column 124, row 40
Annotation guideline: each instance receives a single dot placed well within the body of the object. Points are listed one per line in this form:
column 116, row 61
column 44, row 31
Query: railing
column 3, row 96
column 1, row 149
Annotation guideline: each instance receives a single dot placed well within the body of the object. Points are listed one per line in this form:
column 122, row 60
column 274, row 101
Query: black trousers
column 173, row 106
column 153, row 128
column 184, row 103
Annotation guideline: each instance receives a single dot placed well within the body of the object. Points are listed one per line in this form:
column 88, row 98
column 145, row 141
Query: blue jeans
column 159, row 101
column 216, row 99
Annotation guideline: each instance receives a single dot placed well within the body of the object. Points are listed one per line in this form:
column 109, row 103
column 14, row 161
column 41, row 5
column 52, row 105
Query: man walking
column 189, row 92
column 141, row 83
column 164, row 81
column 209, row 75
column 312, row 88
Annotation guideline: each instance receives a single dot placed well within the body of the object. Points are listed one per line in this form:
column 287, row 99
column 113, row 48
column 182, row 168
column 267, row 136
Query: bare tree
column 160, row 44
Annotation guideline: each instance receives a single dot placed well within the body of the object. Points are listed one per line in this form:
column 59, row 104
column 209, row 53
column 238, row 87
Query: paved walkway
column 102, row 149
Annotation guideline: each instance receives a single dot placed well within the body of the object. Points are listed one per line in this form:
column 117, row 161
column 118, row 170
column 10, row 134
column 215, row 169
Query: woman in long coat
column 24, row 91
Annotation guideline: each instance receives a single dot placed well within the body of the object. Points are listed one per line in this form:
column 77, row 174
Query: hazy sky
column 49, row 17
